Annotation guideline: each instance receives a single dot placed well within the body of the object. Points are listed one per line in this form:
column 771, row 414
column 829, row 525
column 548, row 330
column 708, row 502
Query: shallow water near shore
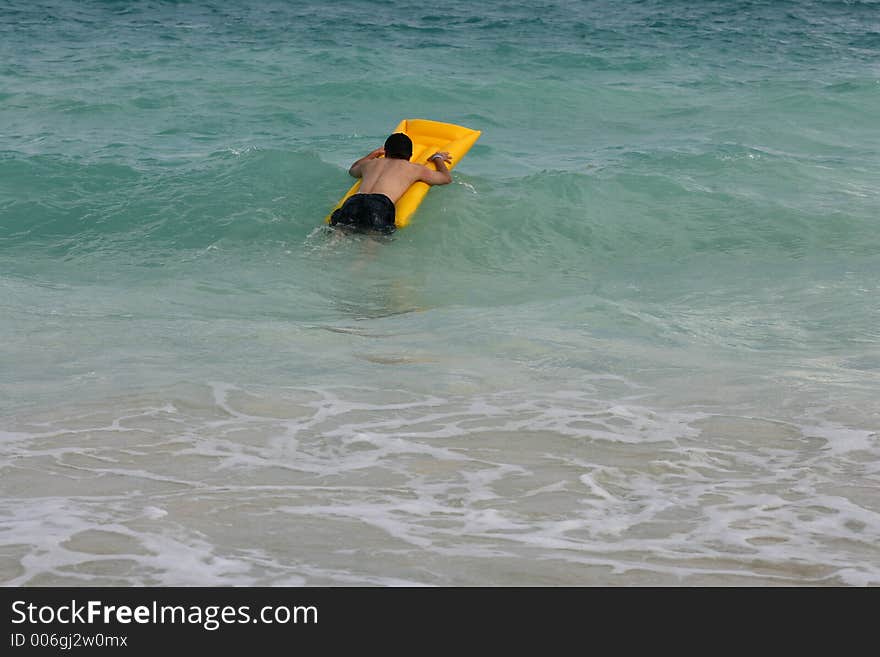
column 634, row 343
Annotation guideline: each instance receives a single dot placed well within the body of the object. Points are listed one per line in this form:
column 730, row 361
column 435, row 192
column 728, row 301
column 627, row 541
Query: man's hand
column 443, row 156
column 379, row 152
column 441, row 176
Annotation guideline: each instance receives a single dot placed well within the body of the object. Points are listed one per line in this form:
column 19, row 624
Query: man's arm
column 356, row 169
column 441, row 176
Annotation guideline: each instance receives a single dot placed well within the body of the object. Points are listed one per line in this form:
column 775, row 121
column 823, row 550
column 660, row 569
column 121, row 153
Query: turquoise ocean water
column 636, row 342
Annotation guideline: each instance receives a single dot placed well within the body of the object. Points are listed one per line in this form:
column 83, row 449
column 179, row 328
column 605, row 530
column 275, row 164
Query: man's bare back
column 392, row 176
column 386, row 173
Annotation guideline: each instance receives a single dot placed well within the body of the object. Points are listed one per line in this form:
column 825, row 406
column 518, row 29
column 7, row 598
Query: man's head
column 398, row 146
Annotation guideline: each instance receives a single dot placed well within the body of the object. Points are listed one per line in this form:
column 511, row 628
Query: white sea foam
column 235, row 485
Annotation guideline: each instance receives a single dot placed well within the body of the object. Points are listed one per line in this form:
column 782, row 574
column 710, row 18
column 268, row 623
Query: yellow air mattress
column 428, row 137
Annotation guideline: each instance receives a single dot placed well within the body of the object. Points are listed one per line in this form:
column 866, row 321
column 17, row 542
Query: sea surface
column 635, row 343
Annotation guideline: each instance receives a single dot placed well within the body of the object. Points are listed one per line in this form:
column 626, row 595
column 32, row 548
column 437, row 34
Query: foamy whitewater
column 637, row 341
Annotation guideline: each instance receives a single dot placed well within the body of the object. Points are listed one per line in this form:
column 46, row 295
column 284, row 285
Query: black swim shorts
column 366, row 211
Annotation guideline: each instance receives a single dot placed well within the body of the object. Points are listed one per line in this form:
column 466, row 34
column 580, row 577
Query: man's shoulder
column 405, row 167
column 390, row 163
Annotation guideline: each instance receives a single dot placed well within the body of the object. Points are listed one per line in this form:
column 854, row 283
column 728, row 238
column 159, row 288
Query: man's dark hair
column 398, row 146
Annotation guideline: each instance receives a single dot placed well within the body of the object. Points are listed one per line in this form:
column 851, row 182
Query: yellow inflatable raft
column 428, row 137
